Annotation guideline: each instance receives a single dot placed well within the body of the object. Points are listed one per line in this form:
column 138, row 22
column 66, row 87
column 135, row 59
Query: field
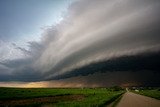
column 154, row 93
column 70, row 97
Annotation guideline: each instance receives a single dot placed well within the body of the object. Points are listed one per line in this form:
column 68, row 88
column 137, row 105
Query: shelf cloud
column 94, row 36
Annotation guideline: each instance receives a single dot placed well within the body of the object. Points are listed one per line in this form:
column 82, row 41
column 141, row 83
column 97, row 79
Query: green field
column 69, row 97
column 154, row 93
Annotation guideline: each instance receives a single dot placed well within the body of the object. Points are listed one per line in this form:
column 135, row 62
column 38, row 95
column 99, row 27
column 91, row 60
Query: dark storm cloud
column 119, row 28
column 135, row 63
column 19, row 70
column 107, row 79
column 95, row 36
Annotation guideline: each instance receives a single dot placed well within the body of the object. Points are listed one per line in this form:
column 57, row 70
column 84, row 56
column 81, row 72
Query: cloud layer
column 93, row 31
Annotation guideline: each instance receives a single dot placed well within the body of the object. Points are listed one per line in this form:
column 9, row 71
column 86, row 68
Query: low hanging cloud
column 93, row 31
column 100, row 30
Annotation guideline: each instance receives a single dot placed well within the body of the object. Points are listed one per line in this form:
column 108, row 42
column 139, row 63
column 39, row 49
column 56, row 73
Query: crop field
column 154, row 93
column 59, row 97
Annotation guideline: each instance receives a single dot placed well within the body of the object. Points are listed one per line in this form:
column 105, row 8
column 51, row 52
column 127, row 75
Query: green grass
column 93, row 100
column 93, row 97
column 154, row 93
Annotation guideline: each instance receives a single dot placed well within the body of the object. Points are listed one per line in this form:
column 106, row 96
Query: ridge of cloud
column 92, row 31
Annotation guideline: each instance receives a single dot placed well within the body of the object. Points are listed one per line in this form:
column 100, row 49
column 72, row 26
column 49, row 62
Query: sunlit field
column 58, row 97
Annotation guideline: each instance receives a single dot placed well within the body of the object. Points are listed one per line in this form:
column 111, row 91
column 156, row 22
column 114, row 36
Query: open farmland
column 154, row 93
column 57, row 96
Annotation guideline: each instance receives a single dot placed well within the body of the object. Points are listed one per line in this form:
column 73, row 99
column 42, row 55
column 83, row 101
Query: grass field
column 58, row 97
column 154, row 93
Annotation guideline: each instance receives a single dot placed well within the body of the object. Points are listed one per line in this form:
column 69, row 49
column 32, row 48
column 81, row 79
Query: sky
column 21, row 19
column 79, row 43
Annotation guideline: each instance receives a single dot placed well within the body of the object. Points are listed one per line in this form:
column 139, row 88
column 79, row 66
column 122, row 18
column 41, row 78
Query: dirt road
column 130, row 99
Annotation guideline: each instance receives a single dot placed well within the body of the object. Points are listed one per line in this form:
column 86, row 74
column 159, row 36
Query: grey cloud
column 19, row 70
column 121, row 78
column 124, row 78
column 26, row 52
column 36, row 49
column 137, row 63
column 122, row 26
column 92, row 31
column 107, row 79
column 4, row 70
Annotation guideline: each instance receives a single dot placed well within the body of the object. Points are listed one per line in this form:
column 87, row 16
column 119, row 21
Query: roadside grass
column 154, row 93
column 116, row 101
column 92, row 97
column 93, row 100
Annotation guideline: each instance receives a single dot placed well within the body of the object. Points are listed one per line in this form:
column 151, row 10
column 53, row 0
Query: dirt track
column 130, row 99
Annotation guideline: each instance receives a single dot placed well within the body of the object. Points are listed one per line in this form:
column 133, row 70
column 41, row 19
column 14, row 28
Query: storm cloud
column 106, row 35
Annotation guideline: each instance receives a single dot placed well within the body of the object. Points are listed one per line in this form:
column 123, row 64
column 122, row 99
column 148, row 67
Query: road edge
column 116, row 101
